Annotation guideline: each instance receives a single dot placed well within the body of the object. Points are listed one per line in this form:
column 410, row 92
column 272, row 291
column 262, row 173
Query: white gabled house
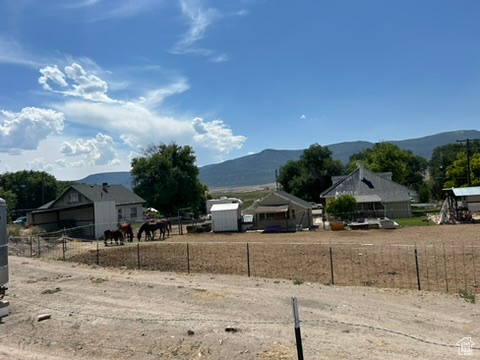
column 102, row 206
column 376, row 194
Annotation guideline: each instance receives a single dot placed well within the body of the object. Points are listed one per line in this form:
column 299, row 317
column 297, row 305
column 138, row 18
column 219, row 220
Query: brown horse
column 116, row 235
column 127, row 231
column 150, row 227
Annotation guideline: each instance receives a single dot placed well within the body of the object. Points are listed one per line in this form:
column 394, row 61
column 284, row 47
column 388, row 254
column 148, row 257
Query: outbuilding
column 226, row 217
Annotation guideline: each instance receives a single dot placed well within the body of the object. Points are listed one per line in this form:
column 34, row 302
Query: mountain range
column 259, row 169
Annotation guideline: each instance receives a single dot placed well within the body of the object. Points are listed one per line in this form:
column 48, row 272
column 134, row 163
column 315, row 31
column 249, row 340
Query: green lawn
column 414, row 221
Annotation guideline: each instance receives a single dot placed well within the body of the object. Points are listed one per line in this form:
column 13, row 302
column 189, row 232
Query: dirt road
column 101, row 313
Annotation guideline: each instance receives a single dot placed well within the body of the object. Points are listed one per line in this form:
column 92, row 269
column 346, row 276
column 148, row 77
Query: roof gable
column 362, row 182
column 98, row 193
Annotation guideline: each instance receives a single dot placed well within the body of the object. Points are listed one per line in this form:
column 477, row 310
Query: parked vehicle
column 22, row 220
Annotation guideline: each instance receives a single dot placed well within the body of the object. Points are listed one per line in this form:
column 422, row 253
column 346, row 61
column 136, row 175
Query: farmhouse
column 280, row 211
column 103, row 206
column 376, row 194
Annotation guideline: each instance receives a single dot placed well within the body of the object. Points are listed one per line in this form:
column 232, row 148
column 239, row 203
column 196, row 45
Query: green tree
column 406, row 168
column 11, row 200
column 442, row 158
column 456, row 174
column 167, row 178
column 31, row 188
column 309, row 176
column 342, row 207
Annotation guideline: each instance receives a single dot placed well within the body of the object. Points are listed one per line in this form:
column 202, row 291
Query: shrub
column 342, row 207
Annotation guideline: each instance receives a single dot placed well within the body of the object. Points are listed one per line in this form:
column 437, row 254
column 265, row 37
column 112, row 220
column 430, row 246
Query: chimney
column 105, row 187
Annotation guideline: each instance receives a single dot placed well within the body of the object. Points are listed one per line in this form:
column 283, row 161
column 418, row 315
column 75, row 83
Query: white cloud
column 95, row 151
column 12, row 52
column 199, row 20
column 303, row 117
column 85, row 85
column 54, row 74
column 39, row 164
column 118, row 9
column 154, row 97
column 25, row 130
column 216, row 135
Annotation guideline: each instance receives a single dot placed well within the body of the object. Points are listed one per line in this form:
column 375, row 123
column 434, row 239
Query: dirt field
column 106, row 313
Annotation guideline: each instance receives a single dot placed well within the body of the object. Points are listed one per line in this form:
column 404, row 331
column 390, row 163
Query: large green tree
column 443, row 157
column 167, row 178
column 309, row 176
column 456, row 174
column 406, row 168
column 11, row 200
column 31, row 188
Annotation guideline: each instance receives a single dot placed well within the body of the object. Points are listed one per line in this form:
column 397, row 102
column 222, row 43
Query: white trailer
column 3, row 258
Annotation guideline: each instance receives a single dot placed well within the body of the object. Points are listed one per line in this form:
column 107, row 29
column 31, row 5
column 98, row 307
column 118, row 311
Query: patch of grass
column 297, row 281
column 131, row 265
column 247, row 197
column 414, row 221
column 468, row 296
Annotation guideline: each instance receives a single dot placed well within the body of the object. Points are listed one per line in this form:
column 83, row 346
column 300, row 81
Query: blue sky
column 85, row 85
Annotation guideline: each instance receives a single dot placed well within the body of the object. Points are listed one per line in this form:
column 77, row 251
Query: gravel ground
column 98, row 313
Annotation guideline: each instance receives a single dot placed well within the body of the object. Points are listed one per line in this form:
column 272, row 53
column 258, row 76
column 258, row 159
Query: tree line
column 168, row 179
column 312, row 174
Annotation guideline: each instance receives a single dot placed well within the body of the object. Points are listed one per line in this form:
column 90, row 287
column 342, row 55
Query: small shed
column 226, row 217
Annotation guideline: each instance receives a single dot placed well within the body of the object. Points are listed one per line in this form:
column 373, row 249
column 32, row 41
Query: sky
column 87, row 85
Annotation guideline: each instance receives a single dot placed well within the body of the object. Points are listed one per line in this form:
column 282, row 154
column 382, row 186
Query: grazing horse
column 116, row 235
column 127, row 231
column 168, row 226
column 149, row 228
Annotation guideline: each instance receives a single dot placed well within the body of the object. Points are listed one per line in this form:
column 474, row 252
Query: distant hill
column 259, row 169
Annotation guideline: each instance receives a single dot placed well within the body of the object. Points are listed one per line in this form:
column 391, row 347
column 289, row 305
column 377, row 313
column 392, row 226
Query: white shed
column 225, row 217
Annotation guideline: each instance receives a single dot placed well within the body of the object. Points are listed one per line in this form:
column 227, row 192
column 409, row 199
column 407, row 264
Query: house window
column 270, row 216
column 73, row 198
column 120, row 214
column 133, row 213
column 261, row 216
column 293, row 214
column 280, row 216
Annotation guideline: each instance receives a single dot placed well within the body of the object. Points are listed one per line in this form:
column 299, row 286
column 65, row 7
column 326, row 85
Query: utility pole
column 469, row 180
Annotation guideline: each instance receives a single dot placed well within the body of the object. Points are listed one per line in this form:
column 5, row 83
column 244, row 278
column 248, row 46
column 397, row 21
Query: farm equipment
column 3, row 259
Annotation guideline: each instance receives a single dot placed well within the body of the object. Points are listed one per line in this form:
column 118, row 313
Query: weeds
column 467, row 295
column 297, row 282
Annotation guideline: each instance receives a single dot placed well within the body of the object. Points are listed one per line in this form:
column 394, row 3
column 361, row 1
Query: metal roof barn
column 225, row 217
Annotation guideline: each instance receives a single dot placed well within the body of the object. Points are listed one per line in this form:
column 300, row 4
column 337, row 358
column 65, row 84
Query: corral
column 438, row 258
column 112, row 313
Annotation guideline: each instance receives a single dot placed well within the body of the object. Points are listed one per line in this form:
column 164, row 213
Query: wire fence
column 444, row 267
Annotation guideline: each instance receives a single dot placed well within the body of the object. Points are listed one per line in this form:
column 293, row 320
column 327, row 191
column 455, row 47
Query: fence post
column 31, row 246
column 98, row 255
column 138, row 255
column 298, row 335
column 416, row 267
column 248, row 259
column 331, row 266
column 38, row 246
column 64, row 243
column 188, row 259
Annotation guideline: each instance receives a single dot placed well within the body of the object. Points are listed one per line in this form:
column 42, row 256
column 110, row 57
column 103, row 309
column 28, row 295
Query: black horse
column 116, row 235
column 149, row 228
